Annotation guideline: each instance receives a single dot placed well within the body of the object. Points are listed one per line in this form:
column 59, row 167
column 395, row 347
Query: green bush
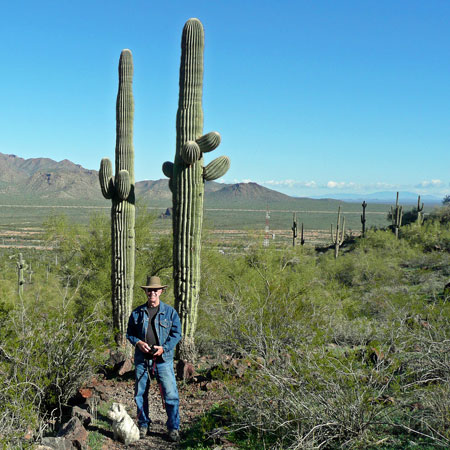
column 46, row 354
column 347, row 353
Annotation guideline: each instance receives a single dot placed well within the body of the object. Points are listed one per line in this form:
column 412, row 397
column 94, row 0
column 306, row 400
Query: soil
column 196, row 397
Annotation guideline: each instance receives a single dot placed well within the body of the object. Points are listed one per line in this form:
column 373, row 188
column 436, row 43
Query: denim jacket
column 167, row 325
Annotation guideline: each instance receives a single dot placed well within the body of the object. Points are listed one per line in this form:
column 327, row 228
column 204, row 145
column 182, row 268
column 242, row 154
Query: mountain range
column 45, row 181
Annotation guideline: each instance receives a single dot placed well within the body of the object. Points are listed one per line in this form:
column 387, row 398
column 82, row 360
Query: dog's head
column 116, row 412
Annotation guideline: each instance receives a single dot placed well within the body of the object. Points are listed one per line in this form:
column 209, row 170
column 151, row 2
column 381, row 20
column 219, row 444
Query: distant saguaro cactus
column 338, row 238
column 363, row 218
column 21, row 267
column 302, row 240
column 419, row 212
column 120, row 189
column 396, row 216
column 187, row 176
column 294, row 228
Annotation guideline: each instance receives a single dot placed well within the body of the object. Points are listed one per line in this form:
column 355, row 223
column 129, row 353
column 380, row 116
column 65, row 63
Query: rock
column 85, row 393
column 185, row 370
column 214, row 385
column 125, row 367
column 83, row 415
column 116, row 358
column 57, row 443
column 103, row 392
column 74, row 432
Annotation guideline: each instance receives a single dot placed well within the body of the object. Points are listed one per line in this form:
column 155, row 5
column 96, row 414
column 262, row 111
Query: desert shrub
column 45, row 355
column 432, row 235
column 346, row 353
column 441, row 214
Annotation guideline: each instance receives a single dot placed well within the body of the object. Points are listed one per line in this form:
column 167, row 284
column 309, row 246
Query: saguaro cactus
column 419, row 212
column 338, row 238
column 21, row 267
column 294, row 228
column 363, row 218
column 302, row 240
column 120, row 189
column 187, row 176
column 396, row 216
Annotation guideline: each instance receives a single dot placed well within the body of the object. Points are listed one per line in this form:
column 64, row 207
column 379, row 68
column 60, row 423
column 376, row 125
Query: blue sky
column 310, row 97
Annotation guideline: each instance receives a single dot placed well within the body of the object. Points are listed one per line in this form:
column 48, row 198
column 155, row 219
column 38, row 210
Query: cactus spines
column 419, row 212
column 21, row 267
column 396, row 216
column 294, row 228
column 363, row 218
column 120, row 189
column 338, row 238
column 187, row 176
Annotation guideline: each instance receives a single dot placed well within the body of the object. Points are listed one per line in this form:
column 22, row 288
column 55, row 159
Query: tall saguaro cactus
column 396, row 216
column 294, row 228
column 120, row 189
column 363, row 218
column 187, row 176
column 419, row 212
column 338, row 238
column 21, row 267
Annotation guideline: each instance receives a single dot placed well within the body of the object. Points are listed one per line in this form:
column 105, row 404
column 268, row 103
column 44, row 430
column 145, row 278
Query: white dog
column 123, row 426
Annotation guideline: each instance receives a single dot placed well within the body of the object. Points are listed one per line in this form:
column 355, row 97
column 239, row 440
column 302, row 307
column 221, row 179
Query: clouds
column 431, row 183
column 294, row 187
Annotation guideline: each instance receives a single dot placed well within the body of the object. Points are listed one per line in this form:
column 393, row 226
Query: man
column 154, row 329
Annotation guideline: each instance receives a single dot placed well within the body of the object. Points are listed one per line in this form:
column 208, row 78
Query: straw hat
column 153, row 283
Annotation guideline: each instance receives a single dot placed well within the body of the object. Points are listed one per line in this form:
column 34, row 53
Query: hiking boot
column 143, row 430
column 174, row 435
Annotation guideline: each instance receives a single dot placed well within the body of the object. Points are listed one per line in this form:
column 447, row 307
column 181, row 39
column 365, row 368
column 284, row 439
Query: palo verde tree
column 120, row 189
column 187, row 176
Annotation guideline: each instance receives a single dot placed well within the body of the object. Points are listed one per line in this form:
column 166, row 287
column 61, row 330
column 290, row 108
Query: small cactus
column 419, row 212
column 363, row 218
column 187, row 176
column 294, row 228
column 21, row 268
column 396, row 216
column 120, row 189
column 339, row 236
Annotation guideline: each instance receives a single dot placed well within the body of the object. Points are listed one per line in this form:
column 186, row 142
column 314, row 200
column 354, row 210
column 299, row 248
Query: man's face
column 153, row 296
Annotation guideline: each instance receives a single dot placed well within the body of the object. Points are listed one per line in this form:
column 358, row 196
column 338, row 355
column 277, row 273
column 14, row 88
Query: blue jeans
column 165, row 375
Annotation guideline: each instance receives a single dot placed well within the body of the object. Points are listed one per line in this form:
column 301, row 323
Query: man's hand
column 145, row 348
column 159, row 350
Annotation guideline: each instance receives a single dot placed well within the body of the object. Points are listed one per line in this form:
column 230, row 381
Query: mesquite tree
column 187, row 176
column 120, row 189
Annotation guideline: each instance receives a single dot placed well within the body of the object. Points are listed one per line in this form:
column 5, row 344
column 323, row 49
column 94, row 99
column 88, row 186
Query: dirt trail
column 195, row 399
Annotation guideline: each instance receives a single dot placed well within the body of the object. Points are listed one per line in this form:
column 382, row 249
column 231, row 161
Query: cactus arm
column 106, row 178
column 216, row 168
column 209, row 142
column 123, row 184
column 342, row 232
column 190, row 152
column 167, row 169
